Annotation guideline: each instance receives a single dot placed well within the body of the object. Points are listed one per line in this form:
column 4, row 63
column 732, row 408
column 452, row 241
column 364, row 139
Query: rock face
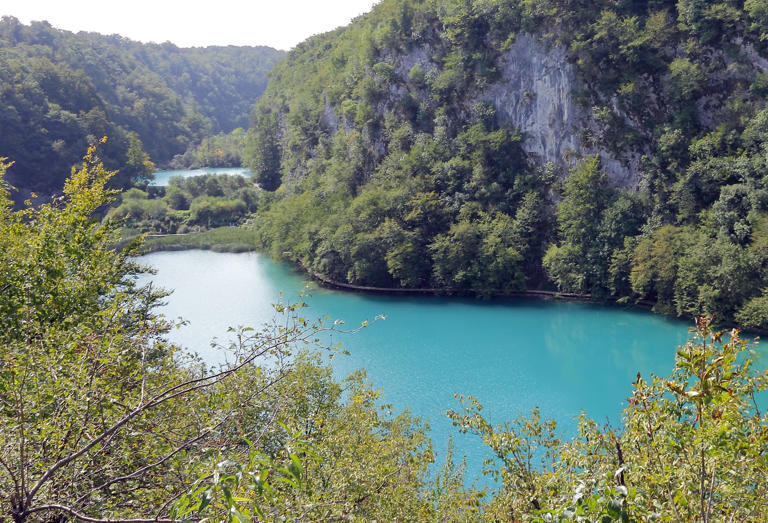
column 535, row 95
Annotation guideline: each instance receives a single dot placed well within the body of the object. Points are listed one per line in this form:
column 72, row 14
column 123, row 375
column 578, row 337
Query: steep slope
column 220, row 83
column 59, row 91
column 485, row 146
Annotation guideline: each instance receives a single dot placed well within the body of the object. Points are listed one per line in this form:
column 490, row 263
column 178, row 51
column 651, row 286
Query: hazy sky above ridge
column 277, row 23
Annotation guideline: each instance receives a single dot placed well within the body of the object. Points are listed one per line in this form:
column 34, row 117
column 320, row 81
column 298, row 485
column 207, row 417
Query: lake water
column 162, row 177
column 511, row 355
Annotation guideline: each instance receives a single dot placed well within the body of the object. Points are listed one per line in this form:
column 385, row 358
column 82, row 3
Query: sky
column 191, row 23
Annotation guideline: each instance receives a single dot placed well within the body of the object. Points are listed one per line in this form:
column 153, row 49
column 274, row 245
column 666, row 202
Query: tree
column 577, row 264
column 563, row 266
column 100, row 418
column 654, row 269
column 262, row 151
column 754, row 313
column 478, row 255
column 686, row 79
column 138, row 167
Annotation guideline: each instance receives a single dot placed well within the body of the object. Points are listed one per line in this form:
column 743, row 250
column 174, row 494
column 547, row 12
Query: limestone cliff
column 534, row 95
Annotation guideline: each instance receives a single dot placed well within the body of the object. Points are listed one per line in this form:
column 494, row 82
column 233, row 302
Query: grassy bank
column 221, row 239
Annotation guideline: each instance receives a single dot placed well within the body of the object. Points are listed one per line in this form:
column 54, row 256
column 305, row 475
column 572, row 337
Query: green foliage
column 592, row 221
column 220, row 239
column 354, row 462
column 416, row 75
column 563, row 264
column 61, row 91
column 758, row 14
column 686, row 79
column 477, row 255
column 188, row 204
column 388, row 232
column 215, row 211
column 755, row 312
column 137, row 163
column 686, row 271
column 584, row 195
column 399, row 111
column 262, row 153
column 655, row 265
column 103, row 419
column 79, row 353
column 220, row 150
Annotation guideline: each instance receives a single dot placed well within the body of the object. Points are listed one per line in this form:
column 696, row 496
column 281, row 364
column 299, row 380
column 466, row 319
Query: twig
column 181, row 389
column 82, row 517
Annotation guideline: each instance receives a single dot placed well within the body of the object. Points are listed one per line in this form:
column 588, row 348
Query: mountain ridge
column 63, row 90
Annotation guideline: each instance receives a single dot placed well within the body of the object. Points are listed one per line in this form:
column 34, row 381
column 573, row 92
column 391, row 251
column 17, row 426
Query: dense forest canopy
column 60, row 91
column 609, row 148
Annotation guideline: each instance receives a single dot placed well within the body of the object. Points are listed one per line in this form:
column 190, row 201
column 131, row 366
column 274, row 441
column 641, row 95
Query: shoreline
column 528, row 293
column 539, row 295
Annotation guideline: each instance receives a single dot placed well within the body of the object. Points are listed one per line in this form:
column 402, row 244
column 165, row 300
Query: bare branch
column 142, row 470
column 13, row 476
column 181, row 389
column 82, row 517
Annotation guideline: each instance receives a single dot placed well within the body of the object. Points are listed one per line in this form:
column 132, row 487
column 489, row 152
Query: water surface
column 162, row 177
column 511, row 355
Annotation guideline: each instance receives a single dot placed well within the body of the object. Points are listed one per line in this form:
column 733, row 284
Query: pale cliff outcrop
column 536, row 95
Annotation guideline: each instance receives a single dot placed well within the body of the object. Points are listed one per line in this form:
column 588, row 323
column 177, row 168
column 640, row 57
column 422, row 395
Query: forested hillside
column 616, row 149
column 60, row 91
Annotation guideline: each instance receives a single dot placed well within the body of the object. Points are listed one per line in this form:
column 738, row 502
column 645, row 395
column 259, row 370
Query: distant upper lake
column 162, row 177
column 511, row 355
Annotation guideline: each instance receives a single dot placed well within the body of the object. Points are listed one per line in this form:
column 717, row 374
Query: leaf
column 296, row 469
column 239, row 516
column 288, row 481
column 205, row 499
column 614, row 508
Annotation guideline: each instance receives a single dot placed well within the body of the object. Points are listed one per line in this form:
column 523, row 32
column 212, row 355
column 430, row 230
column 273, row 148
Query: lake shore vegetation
column 219, row 239
column 193, row 204
column 395, row 150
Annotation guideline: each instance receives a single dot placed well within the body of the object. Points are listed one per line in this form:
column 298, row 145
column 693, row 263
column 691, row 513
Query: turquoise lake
column 511, row 355
column 162, row 177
